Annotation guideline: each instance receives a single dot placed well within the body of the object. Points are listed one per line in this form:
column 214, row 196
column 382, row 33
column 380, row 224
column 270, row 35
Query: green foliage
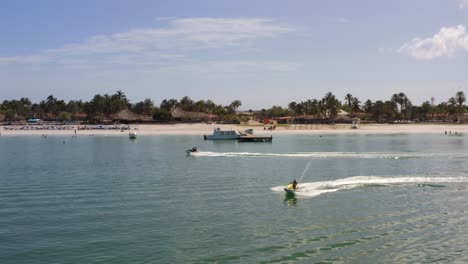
column 64, row 116
column 16, row 109
column 232, row 119
column 101, row 107
column 168, row 104
column 162, row 115
column 145, row 107
column 275, row 111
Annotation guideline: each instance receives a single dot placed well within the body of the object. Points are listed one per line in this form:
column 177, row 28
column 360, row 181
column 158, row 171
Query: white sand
column 200, row 129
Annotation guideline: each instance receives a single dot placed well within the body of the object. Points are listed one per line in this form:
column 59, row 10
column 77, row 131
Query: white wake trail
column 319, row 155
column 312, row 189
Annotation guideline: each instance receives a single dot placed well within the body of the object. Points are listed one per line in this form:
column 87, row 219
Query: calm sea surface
column 365, row 199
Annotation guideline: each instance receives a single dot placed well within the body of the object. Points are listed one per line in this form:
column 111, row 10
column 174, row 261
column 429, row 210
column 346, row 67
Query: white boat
column 132, row 135
column 219, row 134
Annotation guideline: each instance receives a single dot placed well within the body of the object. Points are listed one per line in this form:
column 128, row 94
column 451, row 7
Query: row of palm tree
column 398, row 108
column 326, row 108
column 101, row 107
column 208, row 106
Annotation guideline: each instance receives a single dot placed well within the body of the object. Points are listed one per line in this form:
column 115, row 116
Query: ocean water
column 363, row 199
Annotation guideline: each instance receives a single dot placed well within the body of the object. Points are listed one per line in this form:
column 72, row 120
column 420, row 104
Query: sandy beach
column 201, row 129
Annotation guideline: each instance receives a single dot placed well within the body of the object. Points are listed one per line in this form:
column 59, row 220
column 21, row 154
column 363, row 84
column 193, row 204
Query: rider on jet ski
column 294, row 184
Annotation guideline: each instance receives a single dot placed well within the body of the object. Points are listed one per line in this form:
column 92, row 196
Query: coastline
column 201, row 129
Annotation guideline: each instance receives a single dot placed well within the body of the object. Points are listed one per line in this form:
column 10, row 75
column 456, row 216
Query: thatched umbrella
column 194, row 116
column 126, row 116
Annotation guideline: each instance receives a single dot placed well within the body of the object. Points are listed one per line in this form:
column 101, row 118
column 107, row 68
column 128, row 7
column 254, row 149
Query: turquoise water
column 365, row 199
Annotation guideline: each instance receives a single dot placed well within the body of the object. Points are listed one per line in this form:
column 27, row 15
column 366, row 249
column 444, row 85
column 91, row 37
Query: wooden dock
column 250, row 138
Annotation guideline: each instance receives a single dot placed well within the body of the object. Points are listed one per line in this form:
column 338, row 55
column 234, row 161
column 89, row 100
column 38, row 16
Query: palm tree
column 355, row 105
column 424, row 110
column 349, row 98
column 292, row 106
column 452, row 106
column 210, row 106
column 50, row 104
column 235, row 104
column 119, row 101
column 406, row 107
column 395, row 100
column 171, row 103
column 403, row 101
column 368, row 106
column 307, row 106
column 332, row 105
column 200, row 106
column 315, row 109
column 460, row 99
column 148, row 106
column 300, row 109
column 442, row 108
column 432, row 106
column 186, row 103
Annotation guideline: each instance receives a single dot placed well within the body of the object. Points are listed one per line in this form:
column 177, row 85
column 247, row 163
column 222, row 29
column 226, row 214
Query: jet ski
column 290, row 190
column 192, row 150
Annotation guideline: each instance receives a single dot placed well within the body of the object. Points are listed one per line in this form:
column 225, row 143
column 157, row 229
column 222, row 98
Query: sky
column 262, row 52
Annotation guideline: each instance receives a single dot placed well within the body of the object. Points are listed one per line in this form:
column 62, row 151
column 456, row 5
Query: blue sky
column 263, row 53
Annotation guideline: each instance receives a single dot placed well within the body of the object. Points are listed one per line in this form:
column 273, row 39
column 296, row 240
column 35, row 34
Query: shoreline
column 201, row 129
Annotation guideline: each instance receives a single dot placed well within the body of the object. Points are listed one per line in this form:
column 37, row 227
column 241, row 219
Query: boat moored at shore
column 219, row 134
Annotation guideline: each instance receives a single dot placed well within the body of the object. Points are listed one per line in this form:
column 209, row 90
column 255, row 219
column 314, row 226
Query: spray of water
column 305, row 170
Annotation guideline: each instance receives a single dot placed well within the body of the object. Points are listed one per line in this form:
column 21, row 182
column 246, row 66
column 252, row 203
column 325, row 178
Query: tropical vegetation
column 398, row 108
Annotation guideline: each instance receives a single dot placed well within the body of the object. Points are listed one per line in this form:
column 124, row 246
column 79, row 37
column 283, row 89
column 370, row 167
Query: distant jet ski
column 192, row 150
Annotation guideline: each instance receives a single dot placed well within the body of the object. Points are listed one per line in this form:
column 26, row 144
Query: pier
column 250, row 138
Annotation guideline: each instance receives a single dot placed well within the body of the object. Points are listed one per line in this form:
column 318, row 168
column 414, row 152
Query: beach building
column 284, row 120
column 270, row 121
column 79, row 116
column 253, row 122
column 126, row 116
column 247, row 113
column 306, row 119
column 186, row 116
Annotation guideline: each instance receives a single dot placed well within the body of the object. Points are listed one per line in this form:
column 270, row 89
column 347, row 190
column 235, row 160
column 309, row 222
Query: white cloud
column 178, row 36
column 233, row 67
column 463, row 4
column 445, row 43
column 22, row 59
column 382, row 50
column 343, row 20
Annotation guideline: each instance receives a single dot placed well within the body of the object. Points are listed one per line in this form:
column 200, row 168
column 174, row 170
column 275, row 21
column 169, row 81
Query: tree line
column 397, row 108
column 101, row 107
